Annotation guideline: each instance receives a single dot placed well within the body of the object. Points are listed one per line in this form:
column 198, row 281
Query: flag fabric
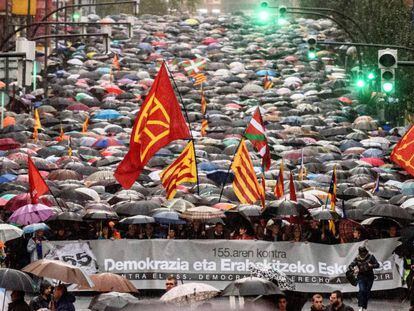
column 194, row 66
column 85, row 125
column 199, row 79
column 182, row 170
column 332, row 190
column 245, row 183
column 302, row 170
column 37, row 125
column 203, row 102
column 292, row 190
column 280, row 188
column 263, row 197
column 70, row 146
column 204, row 127
column 115, row 62
column 255, row 132
column 403, row 152
column 377, row 184
column 267, row 83
column 37, row 185
column 159, row 121
column 61, row 135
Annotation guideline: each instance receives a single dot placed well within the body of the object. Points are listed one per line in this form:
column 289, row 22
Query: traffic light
column 282, row 16
column 371, row 75
column 264, row 14
column 76, row 15
column 388, row 62
column 312, row 47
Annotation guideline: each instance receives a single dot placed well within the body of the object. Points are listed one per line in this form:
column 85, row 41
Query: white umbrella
column 59, row 270
column 9, row 232
column 189, row 292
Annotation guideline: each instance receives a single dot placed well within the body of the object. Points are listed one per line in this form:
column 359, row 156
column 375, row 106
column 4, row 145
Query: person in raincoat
column 34, row 246
column 364, row 265
column 62, row 300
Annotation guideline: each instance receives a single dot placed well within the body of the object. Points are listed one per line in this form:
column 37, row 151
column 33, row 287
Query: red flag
column 263, row 197
column 280, row 188
column 255, row 132
column 292, row 191
column 159, row 122
column 115, row 62
column 38, row 186
column 403, row 152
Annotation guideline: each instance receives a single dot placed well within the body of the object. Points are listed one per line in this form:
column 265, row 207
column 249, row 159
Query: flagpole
column 188, row 121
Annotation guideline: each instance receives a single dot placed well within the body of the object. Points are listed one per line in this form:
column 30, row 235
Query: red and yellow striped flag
column 182, row 170
column 203, row 102
column 85, row 125
column 267, row 83
column 199, row 79
column 61, row 135
column 204, row 127
column 115, row 62
column 245, row 184
column 37, row 125
column 280, row 187
column 263, row 198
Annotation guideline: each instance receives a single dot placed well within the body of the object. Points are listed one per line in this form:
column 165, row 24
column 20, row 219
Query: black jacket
column 19, row 305
column 363, row 265
column 38, row 302
column 65, row 303
column 344, row 307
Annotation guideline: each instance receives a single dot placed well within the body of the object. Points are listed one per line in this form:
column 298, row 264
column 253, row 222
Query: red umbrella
column 8, row 143
column 21, row 200
column 78, row 107
column 113, row 89
column 345, row 100
column 373, row 161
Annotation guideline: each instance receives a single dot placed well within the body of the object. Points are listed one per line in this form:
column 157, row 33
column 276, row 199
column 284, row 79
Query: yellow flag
column 37, row 125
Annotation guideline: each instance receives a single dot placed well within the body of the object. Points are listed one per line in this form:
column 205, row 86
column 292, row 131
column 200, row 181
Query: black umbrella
column 67, row 216
column 388, row 210
column 251, row 286
column 12, row 279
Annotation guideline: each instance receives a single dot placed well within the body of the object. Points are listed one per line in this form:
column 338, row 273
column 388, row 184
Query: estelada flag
column 255, row 132
column 204, row 127
column 280, row 188
column 267, row 83
column 203, row 102
column 403, row 152
column 332, row 190
column 199, row 79
column 85, row 125
column 37, row 185
column 37, row 125
column 182, row 170
column 159, row 122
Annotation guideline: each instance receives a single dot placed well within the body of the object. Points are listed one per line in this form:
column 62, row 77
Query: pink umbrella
column 31, row 214
column 373, row 161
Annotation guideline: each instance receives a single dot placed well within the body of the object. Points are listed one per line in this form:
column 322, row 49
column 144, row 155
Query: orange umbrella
column 110, row 282
column 8, row 120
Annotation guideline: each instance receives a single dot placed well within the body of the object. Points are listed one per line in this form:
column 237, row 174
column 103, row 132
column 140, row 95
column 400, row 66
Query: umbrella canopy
column 189, row 292
column 112, row 300
column 58, row 270
column 110, row 282
column 31, row 213
column 251, row 286
column 9, row 232
column 202, row 213
column 35, row 227
column 136, row 220
column 12, row 279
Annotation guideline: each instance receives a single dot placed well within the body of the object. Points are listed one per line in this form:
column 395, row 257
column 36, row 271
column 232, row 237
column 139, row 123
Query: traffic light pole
column 368, row 45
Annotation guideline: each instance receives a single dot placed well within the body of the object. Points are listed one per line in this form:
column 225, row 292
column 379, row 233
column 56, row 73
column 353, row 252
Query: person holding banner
column 364, row 265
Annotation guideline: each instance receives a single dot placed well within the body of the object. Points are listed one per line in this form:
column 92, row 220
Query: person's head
column 356, row 233
column 39, row 234
column 60, row 291
column 45, row 288
column 218, row 228
column 317, row 302
column 170, row 282
column 282, row 303
column 392, row 231
column 17, row 295
column 171, row 234
column 149, row 229
column 314, row 224
column 61, row 231
column 242, row 230
column 297, row 232
column 362, row 251
column 336, row 298
column 105, row 230
column 131, row 229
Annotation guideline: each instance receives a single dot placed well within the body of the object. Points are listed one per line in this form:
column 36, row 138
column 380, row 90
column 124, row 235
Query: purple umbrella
column 31, row 214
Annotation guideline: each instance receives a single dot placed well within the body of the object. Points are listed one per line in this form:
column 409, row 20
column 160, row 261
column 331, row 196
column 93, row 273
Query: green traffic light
column 264, row 16
column 371, row 76
column 360, row 83
column 387, row 87
column 76, row 15
column 311, row 55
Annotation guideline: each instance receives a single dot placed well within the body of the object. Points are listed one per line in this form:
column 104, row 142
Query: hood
column 68, row 298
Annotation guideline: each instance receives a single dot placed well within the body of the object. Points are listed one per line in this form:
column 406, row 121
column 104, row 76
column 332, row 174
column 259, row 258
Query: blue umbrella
column 107, row 114
column 373, row 153
column 7, row 178
column 104, row 70
column 35, row 227
column 207, row 166
column 407, row 188
column 168, row 218
column 267, row 72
